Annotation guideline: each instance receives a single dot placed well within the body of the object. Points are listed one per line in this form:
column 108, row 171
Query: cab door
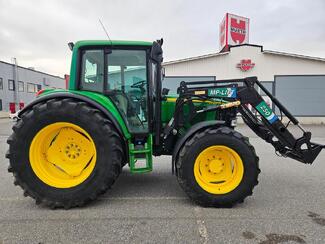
column 127, row 86
column 122, row 75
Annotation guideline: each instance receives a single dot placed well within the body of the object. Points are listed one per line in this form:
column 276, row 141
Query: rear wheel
column 218, row 167
column 64, row 153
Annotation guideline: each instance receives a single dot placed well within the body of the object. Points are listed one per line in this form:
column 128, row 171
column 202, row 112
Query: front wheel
column 218, row 167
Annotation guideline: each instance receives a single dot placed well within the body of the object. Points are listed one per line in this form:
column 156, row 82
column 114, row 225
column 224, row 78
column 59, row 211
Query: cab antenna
column 101, row 23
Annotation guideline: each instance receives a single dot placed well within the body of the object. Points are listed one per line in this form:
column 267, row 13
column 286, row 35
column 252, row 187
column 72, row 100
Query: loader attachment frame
column 234, row 96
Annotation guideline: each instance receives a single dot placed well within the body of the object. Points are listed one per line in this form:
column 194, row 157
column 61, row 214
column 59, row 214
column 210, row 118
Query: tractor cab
column 128, row 73
column 125, row 73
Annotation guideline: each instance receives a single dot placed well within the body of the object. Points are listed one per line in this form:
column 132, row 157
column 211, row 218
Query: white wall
column 225, row 66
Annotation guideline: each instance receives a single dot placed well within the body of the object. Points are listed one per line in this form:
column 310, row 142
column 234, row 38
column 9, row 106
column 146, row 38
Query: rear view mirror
column 70, row 45
column 165, row 91
column 156, row 51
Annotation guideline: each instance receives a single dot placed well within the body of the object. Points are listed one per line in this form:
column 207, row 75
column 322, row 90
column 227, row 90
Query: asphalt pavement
column 287, row 206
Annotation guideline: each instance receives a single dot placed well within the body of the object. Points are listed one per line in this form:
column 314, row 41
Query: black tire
column 107, row 142
column 217, row 136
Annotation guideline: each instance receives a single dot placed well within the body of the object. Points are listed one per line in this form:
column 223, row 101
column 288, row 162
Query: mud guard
column 195, row 128
column 77, row 97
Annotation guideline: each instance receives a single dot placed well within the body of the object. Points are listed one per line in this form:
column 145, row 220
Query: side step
column 144, row 153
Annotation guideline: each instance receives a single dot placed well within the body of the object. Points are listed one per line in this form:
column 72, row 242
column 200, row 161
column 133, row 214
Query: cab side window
column 92, row 70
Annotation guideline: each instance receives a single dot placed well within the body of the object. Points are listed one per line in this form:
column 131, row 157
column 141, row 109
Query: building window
column 38, row 87
column 1, row 84
column 0, row 104
column 11, row 85
column 20, row 86
column 46, row 82
column 30, row 87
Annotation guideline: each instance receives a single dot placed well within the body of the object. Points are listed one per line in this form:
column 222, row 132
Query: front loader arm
column 270, row 127
column 228, row 95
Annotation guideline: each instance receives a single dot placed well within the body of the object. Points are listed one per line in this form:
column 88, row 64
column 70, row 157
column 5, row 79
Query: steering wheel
column 140, row 98
column 131, row 108
column 140, row 84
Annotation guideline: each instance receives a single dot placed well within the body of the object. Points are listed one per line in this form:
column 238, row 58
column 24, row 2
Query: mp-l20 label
column 223, row 92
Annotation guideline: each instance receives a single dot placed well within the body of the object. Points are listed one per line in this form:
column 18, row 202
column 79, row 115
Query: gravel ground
column 288, row 206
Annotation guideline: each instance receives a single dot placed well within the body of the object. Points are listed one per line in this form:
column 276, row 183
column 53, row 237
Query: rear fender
column 120, row 127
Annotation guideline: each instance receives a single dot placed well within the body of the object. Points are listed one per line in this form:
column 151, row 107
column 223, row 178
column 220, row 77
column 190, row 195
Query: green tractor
column 69, row 146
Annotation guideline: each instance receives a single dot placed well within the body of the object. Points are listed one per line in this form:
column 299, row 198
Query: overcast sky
column 36, row 32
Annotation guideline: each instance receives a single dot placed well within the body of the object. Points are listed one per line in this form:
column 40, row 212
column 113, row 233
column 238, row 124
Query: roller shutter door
column 302, row 95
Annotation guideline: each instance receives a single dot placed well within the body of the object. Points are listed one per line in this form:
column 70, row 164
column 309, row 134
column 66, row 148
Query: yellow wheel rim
column 218, row 169
column 62, row 155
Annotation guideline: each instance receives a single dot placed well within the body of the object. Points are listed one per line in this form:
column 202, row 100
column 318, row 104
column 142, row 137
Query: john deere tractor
column 69, row 146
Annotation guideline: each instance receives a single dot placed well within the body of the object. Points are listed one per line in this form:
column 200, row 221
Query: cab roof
column 83, row 43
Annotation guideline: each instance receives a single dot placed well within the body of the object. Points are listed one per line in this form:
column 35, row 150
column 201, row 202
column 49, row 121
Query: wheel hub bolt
column 72, row 151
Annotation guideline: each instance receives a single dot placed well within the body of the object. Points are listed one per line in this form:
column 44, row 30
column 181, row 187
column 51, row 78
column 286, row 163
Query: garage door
column 302, row 95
